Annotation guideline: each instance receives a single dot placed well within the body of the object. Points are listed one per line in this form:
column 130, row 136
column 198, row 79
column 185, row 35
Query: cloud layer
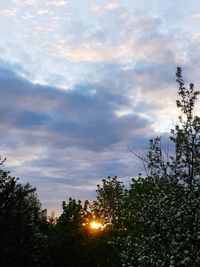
column 81, row 80
column 69, row 138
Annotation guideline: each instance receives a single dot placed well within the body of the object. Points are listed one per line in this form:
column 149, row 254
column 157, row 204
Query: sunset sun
column 94, row 225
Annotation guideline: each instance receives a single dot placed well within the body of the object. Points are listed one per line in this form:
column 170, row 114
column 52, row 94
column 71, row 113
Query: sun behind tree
column 95, row 225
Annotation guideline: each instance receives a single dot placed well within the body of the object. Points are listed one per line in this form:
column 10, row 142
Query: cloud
column 42, row 11
column 9, row 12
column 134, row 37
column 83, row 83
column 112, row 5
column 194, row 16
column 74, row 138
column 57, row 3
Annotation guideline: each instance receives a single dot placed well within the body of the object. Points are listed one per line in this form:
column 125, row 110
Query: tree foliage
column 109, row 205
column 21, row 221
column 164, row 213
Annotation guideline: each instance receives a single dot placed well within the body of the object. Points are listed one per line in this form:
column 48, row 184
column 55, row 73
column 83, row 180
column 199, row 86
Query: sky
column 82, row 81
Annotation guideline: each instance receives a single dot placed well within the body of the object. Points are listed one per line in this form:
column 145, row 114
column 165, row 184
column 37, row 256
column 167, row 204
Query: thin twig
column 139, row 157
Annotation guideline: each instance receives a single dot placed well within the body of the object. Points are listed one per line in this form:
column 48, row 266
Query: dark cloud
column 29, row 119
column 86, row 114
column 71, row 138
column 161, row 74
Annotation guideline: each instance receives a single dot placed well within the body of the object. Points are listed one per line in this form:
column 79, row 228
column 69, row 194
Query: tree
column 164, row 214
column 184, row 165
column 21, row 220
column 110, row 202
column 66, row 238
column 186, row 135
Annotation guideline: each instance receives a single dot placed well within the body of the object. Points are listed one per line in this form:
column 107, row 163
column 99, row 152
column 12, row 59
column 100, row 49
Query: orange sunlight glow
column 96, row 225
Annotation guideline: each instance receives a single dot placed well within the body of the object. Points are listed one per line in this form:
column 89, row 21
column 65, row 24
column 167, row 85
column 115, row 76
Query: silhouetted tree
column 109, row 205
column 67, row 236
column 21, row 218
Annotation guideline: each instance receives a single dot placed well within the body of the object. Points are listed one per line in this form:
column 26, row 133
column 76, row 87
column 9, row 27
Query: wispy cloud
column 9, row 12
column 58, row 3
column 133, row 39
column 111, row 5
column 42, row 11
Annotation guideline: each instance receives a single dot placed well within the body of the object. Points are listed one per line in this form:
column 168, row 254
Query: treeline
column 155, row 222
